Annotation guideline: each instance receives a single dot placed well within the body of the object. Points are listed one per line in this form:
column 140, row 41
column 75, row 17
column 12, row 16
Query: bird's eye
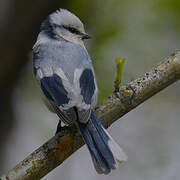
column 72, row 30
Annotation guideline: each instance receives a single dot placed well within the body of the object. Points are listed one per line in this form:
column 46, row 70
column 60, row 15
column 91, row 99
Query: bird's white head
column 64, row 24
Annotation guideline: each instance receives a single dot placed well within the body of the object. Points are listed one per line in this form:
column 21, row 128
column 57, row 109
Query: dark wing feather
column 87, row 85
column 55, row 92
column 68, row 116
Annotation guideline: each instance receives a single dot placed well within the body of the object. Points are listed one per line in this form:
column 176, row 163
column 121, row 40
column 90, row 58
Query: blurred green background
column 142, row 32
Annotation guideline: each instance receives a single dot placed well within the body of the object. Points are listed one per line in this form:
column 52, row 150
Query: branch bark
column 61, row 146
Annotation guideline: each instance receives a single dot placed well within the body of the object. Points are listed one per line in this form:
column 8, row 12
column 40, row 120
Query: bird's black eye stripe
column 72, row 30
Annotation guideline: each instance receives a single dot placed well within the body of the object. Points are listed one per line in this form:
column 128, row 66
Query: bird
column 65, row 74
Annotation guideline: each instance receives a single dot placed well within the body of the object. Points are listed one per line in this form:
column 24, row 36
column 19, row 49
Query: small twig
column 61, row 146
column 119, row 68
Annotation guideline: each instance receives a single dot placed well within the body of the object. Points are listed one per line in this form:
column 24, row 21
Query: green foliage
column 106, row 32
column 79, row 8
column 170, row 6
column 169, row 9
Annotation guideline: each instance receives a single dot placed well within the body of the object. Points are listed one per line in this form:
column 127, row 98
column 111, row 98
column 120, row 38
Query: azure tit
column 65, row 74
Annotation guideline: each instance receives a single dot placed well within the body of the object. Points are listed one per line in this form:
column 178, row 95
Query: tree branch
column 61, row 146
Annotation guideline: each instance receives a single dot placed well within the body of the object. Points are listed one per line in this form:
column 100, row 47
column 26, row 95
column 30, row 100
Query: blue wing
column 87, row 85
column 54, row 90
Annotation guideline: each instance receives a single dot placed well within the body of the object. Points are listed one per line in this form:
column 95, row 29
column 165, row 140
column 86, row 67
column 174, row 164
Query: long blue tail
column 103, row 149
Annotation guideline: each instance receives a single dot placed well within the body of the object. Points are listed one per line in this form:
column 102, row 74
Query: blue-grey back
column 61, row 54
column 65, row 74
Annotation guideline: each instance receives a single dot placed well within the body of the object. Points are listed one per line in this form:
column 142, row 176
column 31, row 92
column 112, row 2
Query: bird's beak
column 86, row 36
